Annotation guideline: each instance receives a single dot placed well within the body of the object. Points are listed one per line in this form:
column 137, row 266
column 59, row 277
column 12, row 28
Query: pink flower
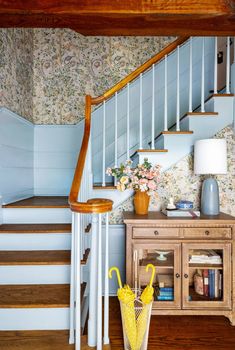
column 152, row 185
column 143, row 181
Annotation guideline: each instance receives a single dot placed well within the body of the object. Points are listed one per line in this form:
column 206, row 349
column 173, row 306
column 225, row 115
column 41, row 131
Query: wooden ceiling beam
column 133, row 17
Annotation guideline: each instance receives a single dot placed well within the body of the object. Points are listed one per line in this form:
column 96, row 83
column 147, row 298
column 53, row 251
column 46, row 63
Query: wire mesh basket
column 135, row 324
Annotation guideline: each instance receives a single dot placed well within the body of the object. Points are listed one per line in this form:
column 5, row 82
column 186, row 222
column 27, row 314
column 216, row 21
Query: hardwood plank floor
column 166, row 333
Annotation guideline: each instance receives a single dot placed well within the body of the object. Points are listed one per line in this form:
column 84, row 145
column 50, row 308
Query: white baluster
column 99, row 287
column 216, row 67
column 106, row 287
column 116, row 135
column 92, row 323
column 153, row 106
column 203, row 77
column 72, row 280
column 178, row 91
column 141, row 112
column 190, row 108
column 77, row 283
column 128, row 123
column 104, row 145
column 165, row 96
column 234, row 49
column 228, row 67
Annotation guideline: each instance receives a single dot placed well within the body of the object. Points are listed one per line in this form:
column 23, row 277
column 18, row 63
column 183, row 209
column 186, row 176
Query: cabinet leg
column 232, row 319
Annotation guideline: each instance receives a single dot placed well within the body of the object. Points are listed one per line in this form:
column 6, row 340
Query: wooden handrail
column 100, row 205
column 141, row 69
column 92, row 205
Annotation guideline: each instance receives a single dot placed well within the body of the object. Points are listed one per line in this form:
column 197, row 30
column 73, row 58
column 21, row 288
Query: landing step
column 40, row 340
column 41, row 202
column 35, row 228
column 36, row 296
column 223, row 95
column 40, row 257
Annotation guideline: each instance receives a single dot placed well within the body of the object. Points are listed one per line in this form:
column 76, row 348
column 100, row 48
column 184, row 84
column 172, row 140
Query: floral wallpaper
column 180, row 182
column 16, row 71
column 68, row 65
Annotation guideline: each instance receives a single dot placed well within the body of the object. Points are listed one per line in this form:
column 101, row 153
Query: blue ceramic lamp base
column 210, row 197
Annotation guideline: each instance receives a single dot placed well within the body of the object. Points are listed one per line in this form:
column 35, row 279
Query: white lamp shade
column 210, row 156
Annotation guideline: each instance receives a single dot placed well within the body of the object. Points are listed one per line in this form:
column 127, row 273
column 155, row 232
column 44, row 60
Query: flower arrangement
column 144, row 177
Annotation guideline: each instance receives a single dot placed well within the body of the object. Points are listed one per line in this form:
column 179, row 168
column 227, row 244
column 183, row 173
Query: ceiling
column 123, row 17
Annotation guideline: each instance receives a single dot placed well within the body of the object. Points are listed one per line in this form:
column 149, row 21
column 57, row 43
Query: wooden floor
column 166, row 333
column 41, row 202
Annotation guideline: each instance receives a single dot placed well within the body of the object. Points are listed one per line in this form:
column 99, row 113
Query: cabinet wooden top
column 154, row 217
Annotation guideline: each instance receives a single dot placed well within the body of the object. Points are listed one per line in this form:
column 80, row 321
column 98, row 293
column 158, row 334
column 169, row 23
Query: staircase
column 158, row 112
column 35, row 242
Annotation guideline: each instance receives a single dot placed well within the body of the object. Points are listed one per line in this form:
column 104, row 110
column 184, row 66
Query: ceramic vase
column 141, row 202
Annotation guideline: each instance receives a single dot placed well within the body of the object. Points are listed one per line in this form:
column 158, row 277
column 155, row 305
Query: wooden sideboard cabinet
column 174, row 246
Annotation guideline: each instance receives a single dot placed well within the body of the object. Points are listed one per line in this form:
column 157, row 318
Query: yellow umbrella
column 126, row 298
column 146, row 298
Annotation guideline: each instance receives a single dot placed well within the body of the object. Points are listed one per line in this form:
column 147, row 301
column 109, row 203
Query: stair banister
column 228, row 67
column 178, row 91
column 165, row 94
column 84, row 205
column 81, row 204
column 203, row 77
column 190, row 108
column 215, row 66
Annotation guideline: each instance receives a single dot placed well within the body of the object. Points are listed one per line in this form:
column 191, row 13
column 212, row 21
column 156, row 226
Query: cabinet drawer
column 210, row 232
column 155, row 232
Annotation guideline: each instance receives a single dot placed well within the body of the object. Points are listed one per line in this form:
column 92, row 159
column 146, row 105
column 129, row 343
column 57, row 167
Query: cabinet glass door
column 167, row 283
column 206, row 275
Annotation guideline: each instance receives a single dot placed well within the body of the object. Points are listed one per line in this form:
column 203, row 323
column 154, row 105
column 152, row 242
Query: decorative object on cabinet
column 143, row 180
column 162, row 255
column 203, row 244
column 210, row 158
column 170, row 204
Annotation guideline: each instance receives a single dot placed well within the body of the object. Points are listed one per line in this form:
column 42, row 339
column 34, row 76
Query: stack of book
column 191, row 213
column 165, row 294
column 208, row 256
column 212, row 283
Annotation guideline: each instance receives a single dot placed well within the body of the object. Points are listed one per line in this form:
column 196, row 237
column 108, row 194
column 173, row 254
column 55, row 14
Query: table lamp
column 210, row 158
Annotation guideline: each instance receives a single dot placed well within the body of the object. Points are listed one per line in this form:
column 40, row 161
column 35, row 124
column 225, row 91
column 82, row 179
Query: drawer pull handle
column 177, row 275
column 207, row 233
column 185, row 275
column 156, row 233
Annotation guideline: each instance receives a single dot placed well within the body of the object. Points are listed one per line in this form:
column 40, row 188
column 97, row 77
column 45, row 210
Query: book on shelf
column 212, row 283
column 191, row 213
column 201, row 256
column 205, row 274
column 165, row 298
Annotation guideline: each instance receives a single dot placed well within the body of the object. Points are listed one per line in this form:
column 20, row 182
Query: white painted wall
column 56, row 149
column 16, row 157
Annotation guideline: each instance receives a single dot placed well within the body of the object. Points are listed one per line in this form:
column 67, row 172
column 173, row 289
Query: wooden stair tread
column 35, row 228
column 223, row 95
column 194, row 114
column 41, row 202
column 36, row 296
column 40, row 340
column 35, row 257
column 176, row 132
column 152, row 150
column 98, row 186
column 85, row 256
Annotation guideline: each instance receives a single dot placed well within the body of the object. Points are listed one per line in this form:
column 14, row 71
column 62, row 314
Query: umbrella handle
column 153, row 273
column 114, row 268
